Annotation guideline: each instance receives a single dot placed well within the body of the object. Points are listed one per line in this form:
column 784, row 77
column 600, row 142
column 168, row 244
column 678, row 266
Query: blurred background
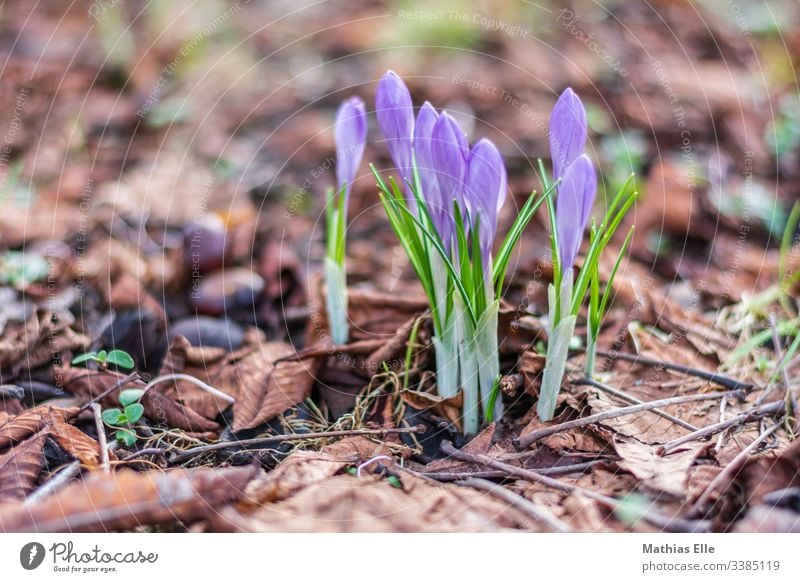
column 124, row 122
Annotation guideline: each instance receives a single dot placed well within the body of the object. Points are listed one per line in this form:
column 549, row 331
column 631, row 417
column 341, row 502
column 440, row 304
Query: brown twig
column 129, row 378
column 145, row 452
column 525, row 441
column 753, row 413
column 633, row 400
column 720, row 379
column 550, row 471
column 292, row 437
column 730, row 469
column 657, row 519
column 524, row 505
column 101, row 438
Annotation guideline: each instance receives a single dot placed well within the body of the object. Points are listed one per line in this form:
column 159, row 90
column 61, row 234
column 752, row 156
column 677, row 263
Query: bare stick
column 129, row 378
column 753, row 413
column 724, row 381
column 527, row 440
column 730, row 469
column 197, row 382
column 55, row 483
column 144, row 452
column 101, row 437
column 633, row 400
column 657, row 519
column 557, row 470
column 524, row 505
column 293, row 437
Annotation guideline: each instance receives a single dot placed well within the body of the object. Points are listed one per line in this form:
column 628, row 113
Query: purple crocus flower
column 449, row 152
column 486, row 189
column 395, row 114
column 350, row 134
column 567, row 132
column 573, row 207
column 426, row 168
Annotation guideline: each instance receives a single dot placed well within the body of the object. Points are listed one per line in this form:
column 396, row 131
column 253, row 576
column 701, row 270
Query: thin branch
column 633, row 400
column 419, row 429
column 101, row 438
column 662, row 521
column 550, row 471
column 525, row 441
column 720, row 379
column 751, row 414
column 521, row 503
column 730, row 469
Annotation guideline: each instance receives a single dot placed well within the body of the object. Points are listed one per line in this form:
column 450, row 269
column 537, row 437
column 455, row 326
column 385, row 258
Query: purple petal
column 350, row 133
column 567, row 131
column 449, row 151
column 423, row 157
column 395, row 114
column 486, row 189
column 573, row 208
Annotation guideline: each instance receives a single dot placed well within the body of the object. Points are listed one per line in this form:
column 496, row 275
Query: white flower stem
column 336, row 301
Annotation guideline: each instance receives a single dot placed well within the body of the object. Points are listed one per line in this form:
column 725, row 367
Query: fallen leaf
column 78, row 445
column 667, row 474
column 20, row 467
column 128, row 499
column 14, row 429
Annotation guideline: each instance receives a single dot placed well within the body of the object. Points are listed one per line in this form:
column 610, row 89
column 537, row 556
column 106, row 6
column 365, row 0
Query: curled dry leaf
column 78, row 445
column 20, row 467
column 127, row 499
column 14, row 429
column 667, row 474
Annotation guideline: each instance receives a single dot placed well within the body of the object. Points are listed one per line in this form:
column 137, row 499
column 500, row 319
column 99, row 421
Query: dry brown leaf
column 447, row 408
column 304, row 468
column 78, row 445
column 667, row 474
column 20, row 467
column 125, row 500
column 13, row 429
column 345, row 503
column 33, row 343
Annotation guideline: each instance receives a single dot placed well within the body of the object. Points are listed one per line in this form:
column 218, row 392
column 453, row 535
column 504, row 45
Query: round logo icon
column 31, row 555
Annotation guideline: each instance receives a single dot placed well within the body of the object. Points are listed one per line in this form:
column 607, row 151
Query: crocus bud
column 350, row 133
column 426, row 168
column 395, row 114
column 486, row 189
column 573, row 208
column 567, row 132
column 449, row 151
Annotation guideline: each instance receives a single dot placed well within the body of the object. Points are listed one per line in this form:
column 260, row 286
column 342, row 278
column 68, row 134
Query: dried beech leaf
column 20, row 467
column 345, row 503
column 33, row 344
column 125, row 500
column 16, row 428
column 77, row 444
column 267, row 389
column 164, row 409
column 304, row 468
column 668, row 474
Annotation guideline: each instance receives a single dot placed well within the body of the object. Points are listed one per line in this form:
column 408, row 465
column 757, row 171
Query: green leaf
column 394, row 482
column 120, row 358
column 134, row 412
column 111, row 416
column 101, row 356
column 84, row 358
column 130, row 396
column 126, row 436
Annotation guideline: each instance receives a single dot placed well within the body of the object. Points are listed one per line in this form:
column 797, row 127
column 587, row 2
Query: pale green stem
column 336, row 301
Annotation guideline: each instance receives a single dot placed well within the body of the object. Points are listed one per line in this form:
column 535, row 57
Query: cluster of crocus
column 576, row 184
column 350, row 133
column 444, row 212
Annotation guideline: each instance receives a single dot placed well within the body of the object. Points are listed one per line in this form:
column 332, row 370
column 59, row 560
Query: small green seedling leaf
column 134, row 412
column 101, row 356
column 126, row 436
column 111, row 416
column 88, row 356
column 394, row 482
column 119, row 358
column 128, row 397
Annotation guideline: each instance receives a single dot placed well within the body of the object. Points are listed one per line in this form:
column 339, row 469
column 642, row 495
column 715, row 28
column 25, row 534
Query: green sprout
column 123, row 419
column 119, row 358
